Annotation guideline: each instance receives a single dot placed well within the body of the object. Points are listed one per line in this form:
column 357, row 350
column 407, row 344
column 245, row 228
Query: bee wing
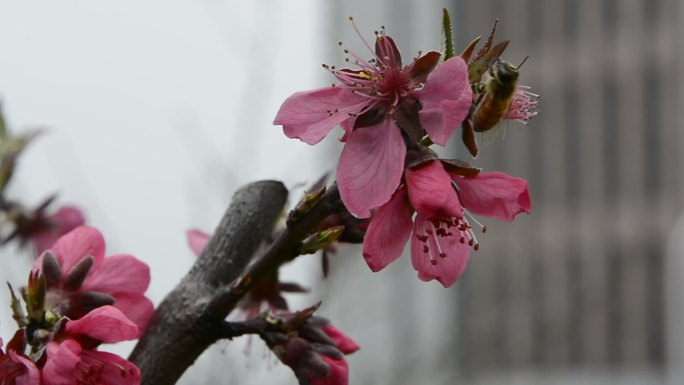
column 488, row 137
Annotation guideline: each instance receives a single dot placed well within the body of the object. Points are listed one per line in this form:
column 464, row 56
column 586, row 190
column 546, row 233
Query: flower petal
column 117, row 273
column 109, row 369
column 342, row 342
column 60, row 368
column 197, row 240
column 72, row 247
column 338, row 372
column 135, row 306
column 31, row 375
column 389, row 230
column 69, row 364
column 370, row 167
column 446, row 99
column 310, row 115
column 430, row 190
column 64, row 220
column 427, row 261
column 494, row 194
column 106, row 324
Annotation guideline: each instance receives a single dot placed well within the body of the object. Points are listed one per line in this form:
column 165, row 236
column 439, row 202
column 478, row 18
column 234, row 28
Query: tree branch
column 283, row 249
column 182, row 328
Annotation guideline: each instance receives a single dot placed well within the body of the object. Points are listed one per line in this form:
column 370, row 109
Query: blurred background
column 156, row 112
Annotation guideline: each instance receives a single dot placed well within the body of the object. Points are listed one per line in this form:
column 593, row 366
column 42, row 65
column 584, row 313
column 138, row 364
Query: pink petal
column 69, row 364
column 136, row 307
column 60, row 368
column 75, row 245
column 370, row 167
column 310, row 115
column 109, row 369
column 197, row 240
column 118, row 273
column 389, row 230
column 106, row 324
column 430, row 190
column 446, row 99
column 494, row 194
column 64, row 220
column 342, row 342
column 31, row 376
column 447, row 269
column 338, row 372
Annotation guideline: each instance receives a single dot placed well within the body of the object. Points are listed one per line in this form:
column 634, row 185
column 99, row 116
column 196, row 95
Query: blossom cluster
column 391, row 114
column 77, row 299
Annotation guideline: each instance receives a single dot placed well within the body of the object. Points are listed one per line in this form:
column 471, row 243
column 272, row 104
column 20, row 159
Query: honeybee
column 497, row 96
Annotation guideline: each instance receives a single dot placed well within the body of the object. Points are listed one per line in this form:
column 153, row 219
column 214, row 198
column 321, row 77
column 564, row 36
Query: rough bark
column 182, row 327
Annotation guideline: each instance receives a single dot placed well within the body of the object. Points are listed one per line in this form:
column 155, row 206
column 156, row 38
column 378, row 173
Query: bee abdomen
column 489, row 113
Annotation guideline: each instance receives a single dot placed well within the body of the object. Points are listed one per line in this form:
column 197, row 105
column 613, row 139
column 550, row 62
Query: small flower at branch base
column 80, row 278
column 441, row 234
column 381, row 106
column 312, row 347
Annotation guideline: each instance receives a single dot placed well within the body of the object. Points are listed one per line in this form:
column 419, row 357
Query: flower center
column 439, row 234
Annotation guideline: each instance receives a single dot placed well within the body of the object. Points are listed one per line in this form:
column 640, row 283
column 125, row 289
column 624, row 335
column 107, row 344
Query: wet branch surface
column 192, row 317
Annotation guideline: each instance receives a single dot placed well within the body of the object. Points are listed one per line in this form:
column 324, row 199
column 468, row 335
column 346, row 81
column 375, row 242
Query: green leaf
column 447, row 35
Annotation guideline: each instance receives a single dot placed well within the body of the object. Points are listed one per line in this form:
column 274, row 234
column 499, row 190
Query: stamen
column 361, row 36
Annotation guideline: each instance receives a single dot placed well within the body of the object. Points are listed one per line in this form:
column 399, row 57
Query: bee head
column 504, row 71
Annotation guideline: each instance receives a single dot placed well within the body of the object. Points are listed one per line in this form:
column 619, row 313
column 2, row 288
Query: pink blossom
column 380, row 106
column 316, row 352
column 16, row 369
column 338, row 369
column 61, row 222
column 342, row 342
column 494, row 194
column 71, row 357
column 524, row 104
column 442, row 236
column 68, row 363
column 87, row 279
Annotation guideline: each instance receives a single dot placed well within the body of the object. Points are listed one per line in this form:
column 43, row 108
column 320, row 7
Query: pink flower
column 442, row 236
column 16, row 369
column 524, row 104
column 315, row 350
column 82, row 278
column 338, row 369
column 68, row 363
column 61, row 222
column 72, row 359
column 493, row 194
column 380, row 105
